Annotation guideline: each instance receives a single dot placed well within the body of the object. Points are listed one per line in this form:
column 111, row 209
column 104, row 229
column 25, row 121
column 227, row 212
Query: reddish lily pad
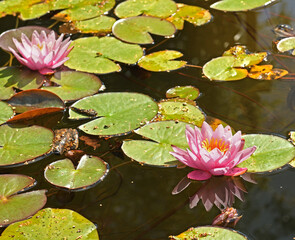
column 6, row 112
column 266, row 72
column 16, row 207
column 187, row 92
column 90, row 171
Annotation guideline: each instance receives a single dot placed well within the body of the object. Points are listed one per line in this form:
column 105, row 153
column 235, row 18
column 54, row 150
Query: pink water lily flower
column 43, row 53
column 213, row 152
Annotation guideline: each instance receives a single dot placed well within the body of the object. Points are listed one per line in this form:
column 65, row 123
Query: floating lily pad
column 161, row 61
column 118, row 113
column 180, row 111
column 138, row 29
column 156, row 152
column 6, row 112
column 72, row 85
column 51, row 223
column 15, row 207
column 209, row 233
column 292, row 163
column 266, row 72
column 90, row 171
column 187, row 92
column 214, row 122
column 240, row 5
column 20, row 145
column 287, row 44
column 272, row 152
column 223, row 69
column 156, row 8
column 192, row 14
column 94, row 54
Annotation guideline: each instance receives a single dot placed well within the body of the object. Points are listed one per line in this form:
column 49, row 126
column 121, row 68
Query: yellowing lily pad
column 138, row 29
column 193, row 14
column 161, row 61
column 186, row 92
column 6, row 112
column 287, row 44
column 16, row 206
column 266, row 72
column 156, row 8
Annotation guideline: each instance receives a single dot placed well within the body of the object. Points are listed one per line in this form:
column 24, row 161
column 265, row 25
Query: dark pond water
column 134, row 202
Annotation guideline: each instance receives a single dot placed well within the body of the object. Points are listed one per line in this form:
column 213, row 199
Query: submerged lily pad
column 287, row 44
column 15, row 207
column 240, row 5
column 209, row 233
column 72, row 85
column 156, row 152
column 90, row 171
column 138, row 29
column 20, row 145
column 94, row 54
column 6, row 112
column 272, row 152
column 52, row 224
column 186, row 92
column 161, row 61
column 156, row 8
column 192, row 14
column 118, row 113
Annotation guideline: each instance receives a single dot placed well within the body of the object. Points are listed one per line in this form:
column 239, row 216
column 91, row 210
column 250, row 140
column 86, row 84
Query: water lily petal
column 199, row 175
column 236, row 171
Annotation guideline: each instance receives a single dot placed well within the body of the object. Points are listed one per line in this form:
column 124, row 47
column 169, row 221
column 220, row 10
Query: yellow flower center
column 209, row 145
column 40, row 46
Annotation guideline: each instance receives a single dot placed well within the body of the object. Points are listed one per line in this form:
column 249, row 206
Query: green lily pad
column 72, row 85
column 192, row 14
column 292, row 163
column 180, row 111
column 156, row 8
column 240, row 5
column 15, row 207
column 22, row 145
column 272, row 152
column 161, row 61
column 6, row 112
column 156, row 152
column 118, row 113
column 223, row 69
column 90, row 171
column 209, row 233
column 186, row 92
column 287, row 44
column 98, row 25
column 51, row 223
column 94, row 54
column 138, row 29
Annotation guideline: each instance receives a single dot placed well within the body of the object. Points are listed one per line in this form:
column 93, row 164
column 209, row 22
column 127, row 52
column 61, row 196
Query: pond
column 135, row 201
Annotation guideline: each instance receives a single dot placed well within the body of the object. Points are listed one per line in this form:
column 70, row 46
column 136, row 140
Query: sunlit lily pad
column 156, row 8
column 6, row 112
column 138, row 29
column 192, row 14
column 240, row 5
column 52, row 224
column 21, row 145
column 223, row 69
column 15, row 207
column 161, row 61
column 89, row 172
column 156, row 152
column 72, row 85
column 94, row 54
column 117, row 113
column 266, row 72
column 180, row 111
column 287, row 44
column 209, row 233
column 187, row 92
column 272, row 152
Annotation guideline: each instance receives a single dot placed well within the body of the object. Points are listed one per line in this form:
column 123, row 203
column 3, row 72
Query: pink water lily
column 43, row 53
column 213, row 152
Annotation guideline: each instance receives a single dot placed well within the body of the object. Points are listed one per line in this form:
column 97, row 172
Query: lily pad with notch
column 162, row 61
column 156, row 152
column 287, row 44
column 137, row 29
column 155, row 8
column 14, row 205
column 95, row 55
column 22, row 145
column 118, row 113
column 186, row 92
column 90, row 171
column 6, row 112
column 266, row 72
column 52, row 223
